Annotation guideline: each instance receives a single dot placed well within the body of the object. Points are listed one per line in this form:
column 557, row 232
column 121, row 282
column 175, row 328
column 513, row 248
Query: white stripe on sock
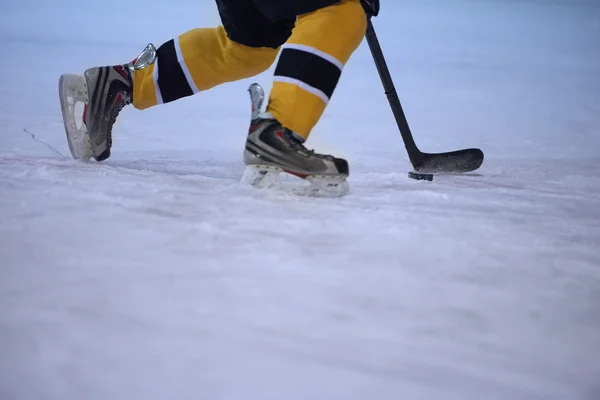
column 159, row 99
column 184, row 67
column 302, row 85
column 316, row 52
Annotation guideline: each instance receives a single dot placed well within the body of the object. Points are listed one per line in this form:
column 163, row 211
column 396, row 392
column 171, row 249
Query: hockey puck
column 420, row 176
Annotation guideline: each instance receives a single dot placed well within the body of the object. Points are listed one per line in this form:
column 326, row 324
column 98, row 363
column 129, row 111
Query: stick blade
column 466, row 160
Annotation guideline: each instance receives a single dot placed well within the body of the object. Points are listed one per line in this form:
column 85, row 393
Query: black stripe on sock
column 172, row 82
column 309, row 68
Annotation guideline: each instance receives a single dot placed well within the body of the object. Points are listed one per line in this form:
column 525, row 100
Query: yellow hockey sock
column 311, row 63
column 195, row 61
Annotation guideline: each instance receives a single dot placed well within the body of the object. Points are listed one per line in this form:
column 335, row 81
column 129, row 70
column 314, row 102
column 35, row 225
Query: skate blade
column 72, row 89
column 327, row 186
column 261, row 176
column 267, row 177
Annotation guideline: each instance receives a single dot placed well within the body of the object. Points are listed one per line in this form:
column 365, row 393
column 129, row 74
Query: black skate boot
column 104, row 91
column 272, row 149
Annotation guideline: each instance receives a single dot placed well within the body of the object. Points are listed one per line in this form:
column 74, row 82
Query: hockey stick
column 451, row 162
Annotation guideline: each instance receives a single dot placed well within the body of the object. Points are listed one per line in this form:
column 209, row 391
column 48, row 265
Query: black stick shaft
column 390, row 91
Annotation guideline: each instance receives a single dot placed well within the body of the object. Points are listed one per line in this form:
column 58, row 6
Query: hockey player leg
column 195, row 61
column 312, row 61
column 306, row 75
column 245, row 45
column 192, row 62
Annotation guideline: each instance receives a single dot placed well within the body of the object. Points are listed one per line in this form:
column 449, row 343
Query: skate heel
column 73, row 90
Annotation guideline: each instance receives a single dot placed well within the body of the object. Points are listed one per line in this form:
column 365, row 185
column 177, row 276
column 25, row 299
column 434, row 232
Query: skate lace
column 299, row 146
column 116, row 110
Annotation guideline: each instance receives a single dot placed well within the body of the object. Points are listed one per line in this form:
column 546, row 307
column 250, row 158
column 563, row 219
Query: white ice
column 155, row 275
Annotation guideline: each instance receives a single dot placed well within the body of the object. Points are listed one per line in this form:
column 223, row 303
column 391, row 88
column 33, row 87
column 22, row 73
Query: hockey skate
column 103, row 92
column 272, row 149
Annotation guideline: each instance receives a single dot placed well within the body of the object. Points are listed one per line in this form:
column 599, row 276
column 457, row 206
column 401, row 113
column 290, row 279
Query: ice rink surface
column 156, row 275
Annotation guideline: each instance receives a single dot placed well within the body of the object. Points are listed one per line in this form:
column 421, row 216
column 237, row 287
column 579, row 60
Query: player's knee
column 355, row 19
column 254, row 59
column 344, row 22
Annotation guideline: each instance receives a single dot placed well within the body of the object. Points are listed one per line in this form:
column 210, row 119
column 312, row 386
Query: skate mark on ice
column 207, row 170
column 39, row 162
column 35, row 138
